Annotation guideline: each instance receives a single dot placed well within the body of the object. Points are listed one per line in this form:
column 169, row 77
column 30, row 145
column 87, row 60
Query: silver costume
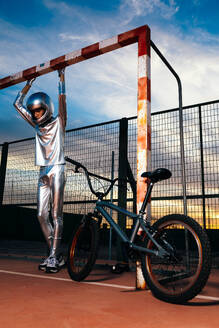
column 49, row 156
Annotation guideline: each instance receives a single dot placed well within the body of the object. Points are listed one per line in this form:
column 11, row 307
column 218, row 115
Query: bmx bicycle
column 174, row 252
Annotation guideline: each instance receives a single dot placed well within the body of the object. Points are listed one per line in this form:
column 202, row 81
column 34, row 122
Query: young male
column 49, row 155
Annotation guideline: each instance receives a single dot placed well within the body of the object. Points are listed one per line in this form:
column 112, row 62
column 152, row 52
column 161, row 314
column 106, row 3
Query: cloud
column 21, row 48
column 88, row 38
column 195, row 63
column 141, row 8
column 106, row 86
column 202, row 36
column 61, row 7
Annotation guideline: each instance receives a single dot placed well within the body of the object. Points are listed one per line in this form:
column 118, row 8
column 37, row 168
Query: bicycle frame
column 139, row 222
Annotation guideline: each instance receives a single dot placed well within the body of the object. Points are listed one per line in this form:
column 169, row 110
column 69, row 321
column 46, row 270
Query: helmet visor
column 43, row 101
column 37, row 113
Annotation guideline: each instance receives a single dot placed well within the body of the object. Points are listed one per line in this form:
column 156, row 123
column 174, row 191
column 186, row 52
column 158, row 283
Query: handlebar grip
column 73, row 162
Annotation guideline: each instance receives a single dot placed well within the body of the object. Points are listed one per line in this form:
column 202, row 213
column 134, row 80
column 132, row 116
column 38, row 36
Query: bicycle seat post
column 146, row 198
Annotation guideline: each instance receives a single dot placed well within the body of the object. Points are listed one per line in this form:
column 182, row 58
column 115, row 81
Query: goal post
column 74, row 57
column 143, row 130
column 140, row 35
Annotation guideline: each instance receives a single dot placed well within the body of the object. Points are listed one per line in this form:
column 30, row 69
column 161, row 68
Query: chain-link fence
column 97, row 147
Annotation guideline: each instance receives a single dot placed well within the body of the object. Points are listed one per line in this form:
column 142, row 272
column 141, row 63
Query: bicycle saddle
column 157, row 175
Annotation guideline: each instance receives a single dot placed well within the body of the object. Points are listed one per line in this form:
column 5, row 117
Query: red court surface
column 30, row 298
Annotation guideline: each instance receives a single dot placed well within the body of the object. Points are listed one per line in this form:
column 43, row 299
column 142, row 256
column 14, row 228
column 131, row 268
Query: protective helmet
column 41, row 100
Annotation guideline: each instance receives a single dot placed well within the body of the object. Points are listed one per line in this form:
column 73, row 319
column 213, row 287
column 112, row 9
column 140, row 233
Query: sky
column 105, row 88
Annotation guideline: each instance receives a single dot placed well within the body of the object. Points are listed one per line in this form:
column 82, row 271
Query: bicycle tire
column 181, row 276
column 83, row 249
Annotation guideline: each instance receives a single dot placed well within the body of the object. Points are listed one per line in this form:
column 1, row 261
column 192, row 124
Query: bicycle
column 175, row 251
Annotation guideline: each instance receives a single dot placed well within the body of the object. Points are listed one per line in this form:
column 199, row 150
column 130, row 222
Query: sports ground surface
column 30, row 298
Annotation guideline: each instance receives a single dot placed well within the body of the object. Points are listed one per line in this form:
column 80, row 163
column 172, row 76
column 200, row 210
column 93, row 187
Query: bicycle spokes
column 181, row 273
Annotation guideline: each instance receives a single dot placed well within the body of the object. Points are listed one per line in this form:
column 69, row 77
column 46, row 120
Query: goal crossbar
column 96, row 49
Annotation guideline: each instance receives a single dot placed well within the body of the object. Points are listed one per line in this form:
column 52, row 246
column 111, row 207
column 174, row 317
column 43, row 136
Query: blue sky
column 105, row 88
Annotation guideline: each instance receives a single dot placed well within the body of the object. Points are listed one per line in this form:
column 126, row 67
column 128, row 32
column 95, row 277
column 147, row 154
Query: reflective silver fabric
column 50, row 143
column 50, row 191
column 49, row 156
column 25, row 113
column 49, row 137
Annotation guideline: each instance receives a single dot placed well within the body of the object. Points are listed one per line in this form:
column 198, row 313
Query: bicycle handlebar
column 79, row 165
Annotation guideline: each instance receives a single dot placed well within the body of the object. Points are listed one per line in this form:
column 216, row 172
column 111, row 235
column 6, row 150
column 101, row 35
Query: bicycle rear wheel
column 82, row 250
column 182, row 274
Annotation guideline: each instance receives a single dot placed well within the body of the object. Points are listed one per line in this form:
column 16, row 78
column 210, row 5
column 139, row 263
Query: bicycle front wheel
column 82, row 250
column 182, row 274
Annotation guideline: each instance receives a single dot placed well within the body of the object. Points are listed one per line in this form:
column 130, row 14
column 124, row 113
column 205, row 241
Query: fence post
column 111, row 199
column 3, row 167
column 202, row 167
column 122, row 183
column 132, row 182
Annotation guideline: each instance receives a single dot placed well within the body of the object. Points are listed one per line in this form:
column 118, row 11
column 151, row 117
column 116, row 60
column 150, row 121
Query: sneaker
column 54, row 264
column 43, row 264
column 61, row 261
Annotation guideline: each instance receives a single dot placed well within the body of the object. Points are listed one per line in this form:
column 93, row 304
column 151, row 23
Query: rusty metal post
column 143, row 129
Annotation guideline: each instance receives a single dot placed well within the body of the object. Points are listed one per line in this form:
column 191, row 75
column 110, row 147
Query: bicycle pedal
column 120, row 268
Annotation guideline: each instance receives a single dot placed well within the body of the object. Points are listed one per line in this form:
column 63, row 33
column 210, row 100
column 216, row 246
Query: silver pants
column 50, row 193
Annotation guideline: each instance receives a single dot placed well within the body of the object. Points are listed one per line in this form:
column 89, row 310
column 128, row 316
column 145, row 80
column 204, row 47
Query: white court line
column 65, row 279
column 207, row 297
column 92, row 283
